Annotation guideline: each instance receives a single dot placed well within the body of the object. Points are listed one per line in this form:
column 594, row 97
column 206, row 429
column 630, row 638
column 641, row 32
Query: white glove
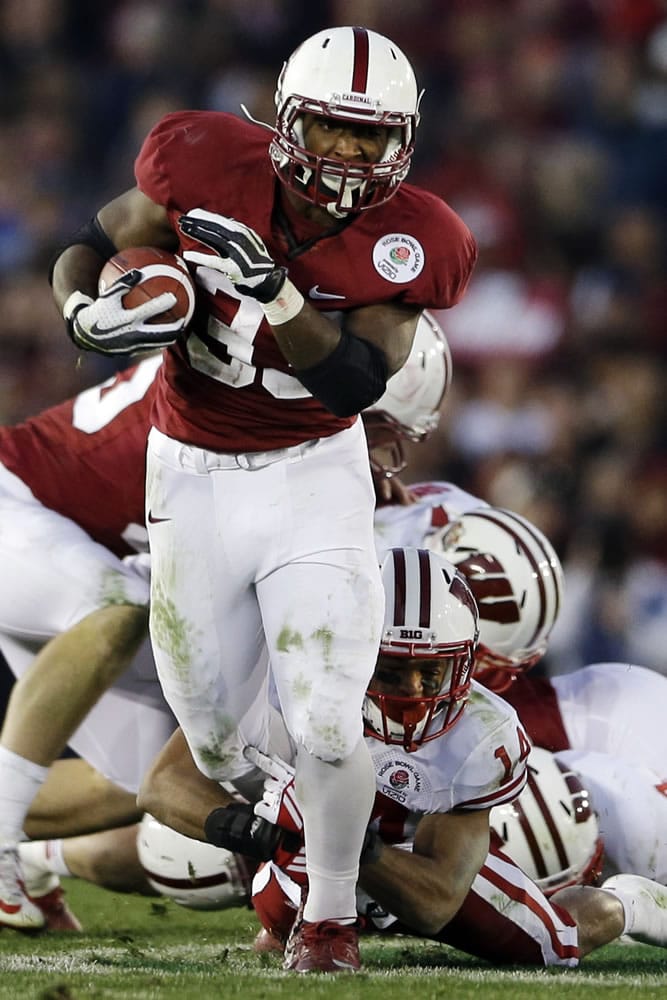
column 105, row 325
column 278, row 804
column 238, row 252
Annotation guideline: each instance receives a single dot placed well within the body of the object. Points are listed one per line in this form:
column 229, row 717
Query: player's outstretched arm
column 426, row 887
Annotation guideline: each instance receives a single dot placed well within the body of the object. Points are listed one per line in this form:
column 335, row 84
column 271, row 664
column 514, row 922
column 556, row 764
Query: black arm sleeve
column 90, row 234
column 349, row 379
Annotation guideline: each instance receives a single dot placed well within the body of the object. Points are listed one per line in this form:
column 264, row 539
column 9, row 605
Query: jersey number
column 504, row 758
column 226, row 352
column 98, row 406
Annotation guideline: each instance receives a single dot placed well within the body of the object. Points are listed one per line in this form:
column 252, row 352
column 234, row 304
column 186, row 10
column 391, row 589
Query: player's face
column 347, row 141
column 409, row 677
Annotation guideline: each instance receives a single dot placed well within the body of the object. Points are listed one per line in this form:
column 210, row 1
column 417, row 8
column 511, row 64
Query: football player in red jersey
column 259, row 494
column 73, row 616
column 76, row 476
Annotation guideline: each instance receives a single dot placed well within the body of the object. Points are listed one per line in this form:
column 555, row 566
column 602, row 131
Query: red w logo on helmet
column 491, row 588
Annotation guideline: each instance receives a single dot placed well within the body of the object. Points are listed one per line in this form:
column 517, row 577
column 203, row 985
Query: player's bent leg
column 506, row 919
column 76, row 799
column 66, row 679
column 108, row 859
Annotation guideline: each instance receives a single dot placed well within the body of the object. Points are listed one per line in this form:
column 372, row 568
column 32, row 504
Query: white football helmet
column 517, row 580
column 409, row 409
column 551, row 830
column 354, row 75
column 430, row 614
column 194, row 874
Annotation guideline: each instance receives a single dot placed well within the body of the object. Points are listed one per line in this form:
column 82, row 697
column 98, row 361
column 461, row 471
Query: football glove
column 238, row 252
column 278, row 804
column 106, row 326
column 237, row 828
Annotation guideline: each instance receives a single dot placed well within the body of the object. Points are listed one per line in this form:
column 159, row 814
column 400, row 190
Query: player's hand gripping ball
column 161, row 272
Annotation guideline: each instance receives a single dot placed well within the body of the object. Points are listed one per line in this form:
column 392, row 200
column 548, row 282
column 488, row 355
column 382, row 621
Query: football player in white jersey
column 604, row 721
column 445, row 751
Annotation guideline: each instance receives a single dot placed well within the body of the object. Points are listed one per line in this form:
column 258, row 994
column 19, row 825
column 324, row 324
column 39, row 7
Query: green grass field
column 139, row 948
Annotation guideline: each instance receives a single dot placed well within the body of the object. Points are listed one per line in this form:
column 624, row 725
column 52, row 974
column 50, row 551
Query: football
column 161, row 272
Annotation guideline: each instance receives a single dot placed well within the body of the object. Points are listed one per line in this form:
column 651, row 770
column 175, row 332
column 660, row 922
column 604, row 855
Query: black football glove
column 238, row 829
column 238, row 252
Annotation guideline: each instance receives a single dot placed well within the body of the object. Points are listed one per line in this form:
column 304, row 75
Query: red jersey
column 85, row 458
column 536, row 703
column 225, row 384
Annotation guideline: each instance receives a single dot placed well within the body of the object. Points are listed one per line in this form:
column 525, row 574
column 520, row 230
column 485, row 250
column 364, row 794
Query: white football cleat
column 16, row 909
column 645, row 904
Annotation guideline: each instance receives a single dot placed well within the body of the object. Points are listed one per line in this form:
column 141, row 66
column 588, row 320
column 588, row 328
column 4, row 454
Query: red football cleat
column 57, row 914
column 322, row 946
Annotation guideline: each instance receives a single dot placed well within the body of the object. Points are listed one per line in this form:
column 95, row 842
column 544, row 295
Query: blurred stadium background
column 544, row 124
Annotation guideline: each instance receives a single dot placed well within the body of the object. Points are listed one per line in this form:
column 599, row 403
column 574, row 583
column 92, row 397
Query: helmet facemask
column 430, row 629
column 339, row 186
column 410, row 721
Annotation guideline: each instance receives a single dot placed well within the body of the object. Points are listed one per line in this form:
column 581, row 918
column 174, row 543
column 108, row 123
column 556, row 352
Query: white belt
column 207, row 461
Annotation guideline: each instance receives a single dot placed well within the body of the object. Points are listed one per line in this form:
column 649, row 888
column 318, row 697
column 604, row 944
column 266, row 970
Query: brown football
column 161, row 272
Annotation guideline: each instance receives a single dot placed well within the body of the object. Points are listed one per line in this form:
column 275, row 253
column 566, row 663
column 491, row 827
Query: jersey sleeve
column 161, row 168
column 452, row 253
column 458, row 257
column 495, row 772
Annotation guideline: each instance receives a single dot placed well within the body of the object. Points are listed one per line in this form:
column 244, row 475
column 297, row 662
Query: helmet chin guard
column 354, row 76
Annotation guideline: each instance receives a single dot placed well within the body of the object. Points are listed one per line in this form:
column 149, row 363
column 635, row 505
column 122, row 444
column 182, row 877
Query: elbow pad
column 349, row 379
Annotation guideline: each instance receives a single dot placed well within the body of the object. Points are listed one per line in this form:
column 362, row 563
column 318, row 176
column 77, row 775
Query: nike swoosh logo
column 97, row 331
column 315, row 293
column 156, row 520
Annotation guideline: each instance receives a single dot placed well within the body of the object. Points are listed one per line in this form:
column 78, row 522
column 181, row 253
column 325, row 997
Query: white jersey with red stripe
column 478, row 764
column 437, row 504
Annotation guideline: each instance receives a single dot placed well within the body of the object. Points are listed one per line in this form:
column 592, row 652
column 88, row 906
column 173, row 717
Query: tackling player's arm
column 176, row 792
column 425, row 888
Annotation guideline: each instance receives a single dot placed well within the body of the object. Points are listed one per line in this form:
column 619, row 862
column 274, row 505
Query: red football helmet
column 409, row 409
column 356, row 76
column 430, row 627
